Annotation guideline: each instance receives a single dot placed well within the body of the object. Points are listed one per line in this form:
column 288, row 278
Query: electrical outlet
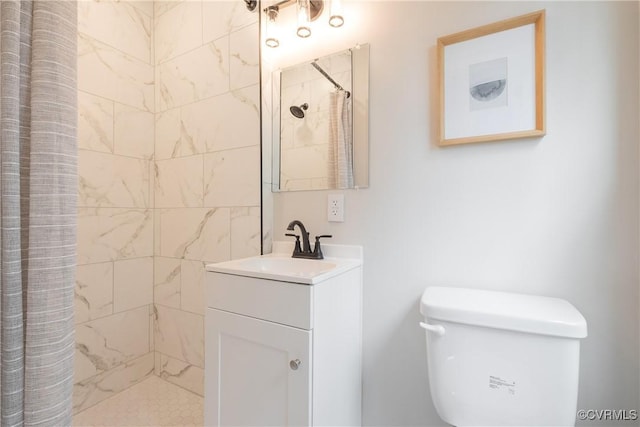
column 335, row 208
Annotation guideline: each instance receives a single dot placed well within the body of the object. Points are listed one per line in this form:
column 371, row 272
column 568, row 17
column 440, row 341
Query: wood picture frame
column 492, row 83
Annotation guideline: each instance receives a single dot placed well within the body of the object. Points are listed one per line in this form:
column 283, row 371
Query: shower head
column 298, row 112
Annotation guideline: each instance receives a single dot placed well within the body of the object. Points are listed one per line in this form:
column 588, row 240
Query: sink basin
column 282, row 267
column 288, row 266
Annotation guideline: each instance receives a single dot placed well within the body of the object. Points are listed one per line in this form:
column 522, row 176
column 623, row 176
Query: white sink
column 288, row 266
column 281, row 266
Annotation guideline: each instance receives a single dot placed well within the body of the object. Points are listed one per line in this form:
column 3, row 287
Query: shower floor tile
column 153, row 402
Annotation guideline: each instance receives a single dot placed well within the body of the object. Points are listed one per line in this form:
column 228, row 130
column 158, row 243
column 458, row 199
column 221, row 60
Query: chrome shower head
column 298, row 112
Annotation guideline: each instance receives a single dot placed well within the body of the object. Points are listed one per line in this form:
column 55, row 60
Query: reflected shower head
column 298, row 112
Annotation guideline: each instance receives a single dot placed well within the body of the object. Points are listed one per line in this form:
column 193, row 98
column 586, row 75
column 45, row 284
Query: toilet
column 502, row 359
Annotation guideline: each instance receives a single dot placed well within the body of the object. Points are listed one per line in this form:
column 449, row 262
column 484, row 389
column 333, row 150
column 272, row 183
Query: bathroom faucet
column 306, row 247
column 305, row 251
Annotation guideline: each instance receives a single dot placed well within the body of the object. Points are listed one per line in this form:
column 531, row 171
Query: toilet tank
column 502, row 359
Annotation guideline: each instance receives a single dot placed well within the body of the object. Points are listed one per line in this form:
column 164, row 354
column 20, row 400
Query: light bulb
column 335, row 17
column 304, row 18
column 272, row 27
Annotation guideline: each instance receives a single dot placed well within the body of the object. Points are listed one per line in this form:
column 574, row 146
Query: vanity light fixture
column 307, row 12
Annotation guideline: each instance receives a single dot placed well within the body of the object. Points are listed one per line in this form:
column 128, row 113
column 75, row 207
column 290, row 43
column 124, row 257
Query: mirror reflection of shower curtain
column 340, row 160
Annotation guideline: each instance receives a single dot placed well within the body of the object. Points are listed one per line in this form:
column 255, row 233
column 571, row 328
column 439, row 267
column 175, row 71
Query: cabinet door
column 257, row 373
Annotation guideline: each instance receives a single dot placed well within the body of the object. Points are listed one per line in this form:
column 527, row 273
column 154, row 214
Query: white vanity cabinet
column 280, row 353
column 251, row 382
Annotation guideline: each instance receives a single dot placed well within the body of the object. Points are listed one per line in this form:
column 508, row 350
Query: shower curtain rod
column 328, row 77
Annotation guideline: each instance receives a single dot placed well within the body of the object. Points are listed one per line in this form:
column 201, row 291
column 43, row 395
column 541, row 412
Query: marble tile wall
column 114, row 286
column 207, row 167
column 169, row 180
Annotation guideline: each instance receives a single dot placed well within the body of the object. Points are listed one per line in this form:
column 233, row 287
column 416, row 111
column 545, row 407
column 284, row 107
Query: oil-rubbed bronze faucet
column 305, row 250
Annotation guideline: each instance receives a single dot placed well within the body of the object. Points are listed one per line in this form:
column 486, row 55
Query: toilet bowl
column 502, row 359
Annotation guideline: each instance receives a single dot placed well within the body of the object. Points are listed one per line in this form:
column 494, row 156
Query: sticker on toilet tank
column 500, row 384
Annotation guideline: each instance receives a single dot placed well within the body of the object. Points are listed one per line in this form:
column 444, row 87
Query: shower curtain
column 38, row 186
column 340, row 141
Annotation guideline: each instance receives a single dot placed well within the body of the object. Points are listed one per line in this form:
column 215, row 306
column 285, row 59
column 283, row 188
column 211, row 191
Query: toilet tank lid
column 503, row 310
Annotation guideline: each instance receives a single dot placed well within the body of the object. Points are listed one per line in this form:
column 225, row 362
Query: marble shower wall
column 206, row 169
column 114, row 289
column 169, row 154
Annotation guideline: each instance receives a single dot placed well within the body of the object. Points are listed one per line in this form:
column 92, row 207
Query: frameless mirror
column 320, row 123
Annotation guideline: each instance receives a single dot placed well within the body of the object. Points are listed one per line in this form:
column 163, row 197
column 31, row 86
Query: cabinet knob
column 295, row 364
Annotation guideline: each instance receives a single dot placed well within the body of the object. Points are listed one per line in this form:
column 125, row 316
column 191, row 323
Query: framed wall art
column 492, row 81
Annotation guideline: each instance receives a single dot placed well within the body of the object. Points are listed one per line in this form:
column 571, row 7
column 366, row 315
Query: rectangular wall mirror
column 320, row 122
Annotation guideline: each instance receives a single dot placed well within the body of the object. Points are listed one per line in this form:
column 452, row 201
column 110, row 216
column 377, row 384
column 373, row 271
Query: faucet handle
column 297, row 249
column 317, row 250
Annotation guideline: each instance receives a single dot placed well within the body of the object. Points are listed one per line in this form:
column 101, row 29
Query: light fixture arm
column 317, row 6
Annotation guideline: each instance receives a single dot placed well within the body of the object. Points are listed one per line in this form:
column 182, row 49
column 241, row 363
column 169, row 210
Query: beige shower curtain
column 340, row 141
column 38, row 181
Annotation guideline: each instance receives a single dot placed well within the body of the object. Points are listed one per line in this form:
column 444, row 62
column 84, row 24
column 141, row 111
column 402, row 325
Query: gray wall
column 554, row 216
